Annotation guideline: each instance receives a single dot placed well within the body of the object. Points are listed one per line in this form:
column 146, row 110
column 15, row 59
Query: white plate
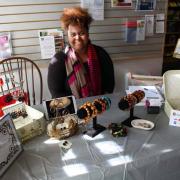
column 142, row 124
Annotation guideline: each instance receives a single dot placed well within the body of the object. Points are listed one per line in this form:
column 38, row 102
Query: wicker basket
column 63, row 126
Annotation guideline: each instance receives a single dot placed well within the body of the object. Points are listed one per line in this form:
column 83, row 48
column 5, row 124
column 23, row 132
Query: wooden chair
column 21, row 75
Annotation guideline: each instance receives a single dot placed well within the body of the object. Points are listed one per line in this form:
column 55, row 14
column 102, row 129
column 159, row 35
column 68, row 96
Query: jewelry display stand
column 127, row 122
column 96, row 129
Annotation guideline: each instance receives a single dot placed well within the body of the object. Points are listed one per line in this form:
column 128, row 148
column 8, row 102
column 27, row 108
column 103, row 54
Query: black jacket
column 57, row 77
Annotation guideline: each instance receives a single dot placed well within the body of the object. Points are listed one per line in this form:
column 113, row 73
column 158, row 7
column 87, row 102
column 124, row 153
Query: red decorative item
column 11, row 98
column 1, row 82
column 5, row 100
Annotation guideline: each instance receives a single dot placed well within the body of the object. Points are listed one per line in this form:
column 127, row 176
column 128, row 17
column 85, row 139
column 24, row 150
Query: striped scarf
column 81, row 82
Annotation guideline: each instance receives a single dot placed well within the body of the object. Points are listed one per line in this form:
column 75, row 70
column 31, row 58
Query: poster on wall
column 95, row 8
column 146, row 5
column 140, row 34
column 160, row 18
column 10, row 146
column 149, row 24
column 131, row 31
column 5, row 45
column 121, row 3
column 51, row 41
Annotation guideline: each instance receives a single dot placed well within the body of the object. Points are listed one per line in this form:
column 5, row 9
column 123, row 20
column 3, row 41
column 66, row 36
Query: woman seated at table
column 82, row 69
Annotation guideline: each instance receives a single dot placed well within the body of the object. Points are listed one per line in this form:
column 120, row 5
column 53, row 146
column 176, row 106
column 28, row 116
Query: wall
column 24, row 18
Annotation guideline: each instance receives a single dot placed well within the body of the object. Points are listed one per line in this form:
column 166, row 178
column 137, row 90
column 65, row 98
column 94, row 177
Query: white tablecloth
column 142, row 155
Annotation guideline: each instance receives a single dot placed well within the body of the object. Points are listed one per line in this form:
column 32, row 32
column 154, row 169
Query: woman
column 83, row 69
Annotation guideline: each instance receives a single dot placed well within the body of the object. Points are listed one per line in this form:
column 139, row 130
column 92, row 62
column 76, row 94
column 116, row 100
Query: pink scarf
column 82, row 83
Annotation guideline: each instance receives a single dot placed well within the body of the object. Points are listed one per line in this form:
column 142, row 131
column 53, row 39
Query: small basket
column 63, row 126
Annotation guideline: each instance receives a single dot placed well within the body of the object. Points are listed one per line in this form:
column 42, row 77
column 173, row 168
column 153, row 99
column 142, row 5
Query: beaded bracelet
column 88, row 117
column 131, row 100
column 107, row 101
column 103, row 105
column 93, row 109
column 139, row 94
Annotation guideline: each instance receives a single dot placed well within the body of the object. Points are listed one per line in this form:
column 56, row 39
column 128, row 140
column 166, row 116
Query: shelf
column 173, row 20
column 172, row 35
column 170, row 45
column 173, row 32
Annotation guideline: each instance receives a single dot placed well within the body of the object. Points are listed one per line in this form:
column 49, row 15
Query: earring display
column 59, row 107
column 28, row 121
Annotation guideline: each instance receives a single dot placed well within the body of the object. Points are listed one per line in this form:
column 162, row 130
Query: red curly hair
column 75, row 16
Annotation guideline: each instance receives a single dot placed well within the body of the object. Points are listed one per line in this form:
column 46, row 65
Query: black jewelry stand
column 127, row 122
column 96, row 129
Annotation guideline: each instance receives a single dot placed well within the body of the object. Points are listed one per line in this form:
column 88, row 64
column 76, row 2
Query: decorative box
column 28, row 121
column 171, row 80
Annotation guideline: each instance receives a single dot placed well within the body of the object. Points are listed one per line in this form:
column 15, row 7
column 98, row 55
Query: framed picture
column 60, row 107
column 121, row 3
column 145, row 5
column 10, row 145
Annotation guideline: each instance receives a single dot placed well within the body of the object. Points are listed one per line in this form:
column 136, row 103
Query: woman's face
column 78, row 37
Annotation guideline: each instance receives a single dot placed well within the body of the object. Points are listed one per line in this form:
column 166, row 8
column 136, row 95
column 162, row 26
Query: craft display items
column 14, row 93
column 89, row 110
column 63, row 127
column 28, row 121
column 59, row 104
column 129, row 101
column 65, row 144
column 117, row 130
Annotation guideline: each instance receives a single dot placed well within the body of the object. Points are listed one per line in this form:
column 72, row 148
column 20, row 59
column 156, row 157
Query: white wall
column 24, row 18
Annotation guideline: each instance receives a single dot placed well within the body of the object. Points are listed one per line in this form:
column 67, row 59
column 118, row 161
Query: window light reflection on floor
column 166, row 150
column 148, row 145
column 69, row 155
column 75, row 169
column 109, row 147
column 51, row 141
column 99, row 136
column 119, row 160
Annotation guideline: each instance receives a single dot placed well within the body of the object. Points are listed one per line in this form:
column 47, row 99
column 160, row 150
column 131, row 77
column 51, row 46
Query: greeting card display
column 10, row 146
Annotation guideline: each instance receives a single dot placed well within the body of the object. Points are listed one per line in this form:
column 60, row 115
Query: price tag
column 174, row 118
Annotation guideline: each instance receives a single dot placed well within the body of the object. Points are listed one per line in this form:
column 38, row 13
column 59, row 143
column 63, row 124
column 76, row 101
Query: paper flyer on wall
column 51, row 41
column 149, row 25
column 5, row 45
column 121, row 3
column 160, row 23
column 131, row 30
column 95, row 8
column 140, row 34
column 145, row 5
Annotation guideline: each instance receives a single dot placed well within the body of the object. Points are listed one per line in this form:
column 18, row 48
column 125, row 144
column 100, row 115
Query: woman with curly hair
column 82, row 69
